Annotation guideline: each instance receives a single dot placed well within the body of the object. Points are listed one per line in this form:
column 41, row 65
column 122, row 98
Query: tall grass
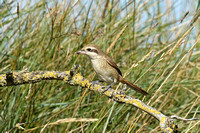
column 151, row 41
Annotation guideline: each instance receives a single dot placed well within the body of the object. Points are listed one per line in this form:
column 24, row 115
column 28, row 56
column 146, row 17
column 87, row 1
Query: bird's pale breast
column 104, row 70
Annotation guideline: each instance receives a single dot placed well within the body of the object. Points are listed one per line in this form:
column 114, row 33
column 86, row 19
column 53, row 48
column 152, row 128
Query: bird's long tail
column 132, row 86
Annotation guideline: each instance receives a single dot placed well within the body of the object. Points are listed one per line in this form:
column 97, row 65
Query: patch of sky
column 87, row 9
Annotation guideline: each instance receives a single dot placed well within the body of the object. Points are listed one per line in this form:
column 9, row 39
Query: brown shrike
column 106, row 68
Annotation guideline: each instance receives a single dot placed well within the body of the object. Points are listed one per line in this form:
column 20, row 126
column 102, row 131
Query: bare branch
column 73, row 78
column 183, row 119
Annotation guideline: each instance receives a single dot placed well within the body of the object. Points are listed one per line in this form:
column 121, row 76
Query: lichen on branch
column 72, row 77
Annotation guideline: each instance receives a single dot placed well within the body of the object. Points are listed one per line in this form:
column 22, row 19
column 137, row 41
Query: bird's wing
column 113, row 64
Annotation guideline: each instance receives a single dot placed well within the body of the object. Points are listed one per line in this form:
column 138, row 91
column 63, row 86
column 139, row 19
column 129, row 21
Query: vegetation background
column 151, row 40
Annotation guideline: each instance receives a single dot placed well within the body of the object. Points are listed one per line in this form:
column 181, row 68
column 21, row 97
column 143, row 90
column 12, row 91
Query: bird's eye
column 89, row 49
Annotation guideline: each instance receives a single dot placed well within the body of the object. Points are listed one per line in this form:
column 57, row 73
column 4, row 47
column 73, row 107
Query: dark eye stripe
column 89, row 49
column 94, row 50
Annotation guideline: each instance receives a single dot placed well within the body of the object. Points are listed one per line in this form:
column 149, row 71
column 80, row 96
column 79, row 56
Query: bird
column 106, row 69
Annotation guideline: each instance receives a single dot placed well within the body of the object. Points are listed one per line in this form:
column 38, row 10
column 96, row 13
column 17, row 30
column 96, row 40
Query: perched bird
column 106, row 68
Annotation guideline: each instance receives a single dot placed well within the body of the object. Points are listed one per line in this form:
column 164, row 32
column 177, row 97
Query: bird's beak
column 81, row 52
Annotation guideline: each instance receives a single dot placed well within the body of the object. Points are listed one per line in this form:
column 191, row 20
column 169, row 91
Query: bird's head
column 92, row 51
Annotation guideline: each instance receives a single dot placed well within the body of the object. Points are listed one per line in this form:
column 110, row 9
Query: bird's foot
column 107, row 87
column 96, row 82
column 124, row 89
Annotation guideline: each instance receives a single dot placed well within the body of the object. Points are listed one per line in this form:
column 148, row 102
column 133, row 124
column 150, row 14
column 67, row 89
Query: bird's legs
column 96, row 82
column 109, row 86
column 124, row 89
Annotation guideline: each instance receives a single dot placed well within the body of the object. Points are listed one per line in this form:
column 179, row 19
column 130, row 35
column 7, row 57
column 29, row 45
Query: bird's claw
column 96, row 82
column 107, row 87
column 124, row 89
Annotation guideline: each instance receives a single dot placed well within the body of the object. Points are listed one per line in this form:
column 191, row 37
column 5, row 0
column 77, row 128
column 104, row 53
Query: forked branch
column 73, row 78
